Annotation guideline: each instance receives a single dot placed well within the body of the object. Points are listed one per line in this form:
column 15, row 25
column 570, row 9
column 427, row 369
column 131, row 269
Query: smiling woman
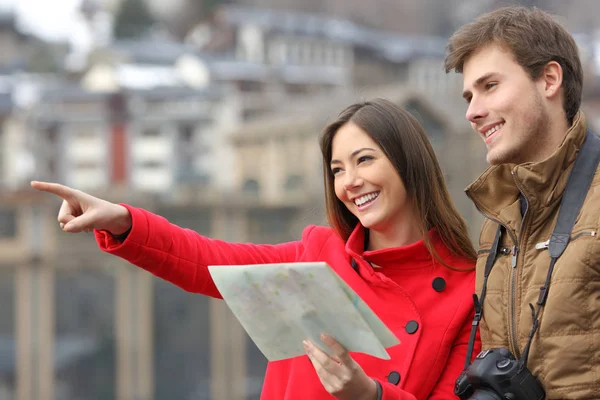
column 371, row 189
column 395, row 239
column 380, row 170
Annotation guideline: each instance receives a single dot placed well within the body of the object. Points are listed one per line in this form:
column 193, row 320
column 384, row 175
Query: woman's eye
column 490, row 85
column 335, row 170
column 364, row 158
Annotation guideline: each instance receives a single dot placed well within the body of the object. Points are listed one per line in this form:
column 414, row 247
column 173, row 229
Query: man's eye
column 490, row 85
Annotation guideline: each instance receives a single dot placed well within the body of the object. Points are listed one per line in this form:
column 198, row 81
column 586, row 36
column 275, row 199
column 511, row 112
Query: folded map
column 280, row 305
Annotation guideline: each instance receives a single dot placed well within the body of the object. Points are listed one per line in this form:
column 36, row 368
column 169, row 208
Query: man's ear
column 552, row 77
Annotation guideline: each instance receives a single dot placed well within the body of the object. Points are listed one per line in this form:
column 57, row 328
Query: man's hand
column 341, row 376
column 81, row 212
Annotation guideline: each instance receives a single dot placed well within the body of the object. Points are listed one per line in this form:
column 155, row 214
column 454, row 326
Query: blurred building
column 274, row 55
column 140, row 140
column 154, row 115
column 16, row 45
column 218, row 134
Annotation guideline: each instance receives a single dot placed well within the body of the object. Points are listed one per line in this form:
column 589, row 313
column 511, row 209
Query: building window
column 85, row 345
column 306, row 56
column 251, row 186
column 277, row 53
column 8, row 223
column 2, row 146
column 296, row 88
column 270, row 226
column 293, row 182
column 186, row 133
column 318, row 54
column 249, row 114
column 8, row 348
column 86, row 134
column 52, row 168
column 182, row 343
column 87, row 165
column 293, row 51
column 283, row 53
column 152, row 164
column 250, row 86
column 434, row 129
column 151, row 132
column 339, row 56
column 52, row 133
column 328, row 54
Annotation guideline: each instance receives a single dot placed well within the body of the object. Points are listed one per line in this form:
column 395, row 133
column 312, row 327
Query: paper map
column 280, row 305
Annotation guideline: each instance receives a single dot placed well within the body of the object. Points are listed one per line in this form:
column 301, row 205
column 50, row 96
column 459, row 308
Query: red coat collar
column 414, row 255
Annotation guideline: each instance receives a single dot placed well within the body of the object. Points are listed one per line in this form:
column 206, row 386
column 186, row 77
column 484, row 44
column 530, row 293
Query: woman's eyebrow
column 354, row 154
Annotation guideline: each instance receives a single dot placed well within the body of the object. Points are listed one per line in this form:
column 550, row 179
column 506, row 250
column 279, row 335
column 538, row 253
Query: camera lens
column 502, row 364
column 485, row 395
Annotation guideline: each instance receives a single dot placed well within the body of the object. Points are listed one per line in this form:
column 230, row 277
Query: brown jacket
column 565, row 353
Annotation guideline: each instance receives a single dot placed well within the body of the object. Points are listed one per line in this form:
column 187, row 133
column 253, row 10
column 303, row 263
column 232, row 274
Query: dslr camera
column 495, row 374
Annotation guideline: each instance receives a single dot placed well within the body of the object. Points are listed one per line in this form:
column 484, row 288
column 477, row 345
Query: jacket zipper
column 502, row 250
column 513, row 277
column 544, row 245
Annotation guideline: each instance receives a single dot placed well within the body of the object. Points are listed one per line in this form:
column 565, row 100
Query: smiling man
column 523, row 81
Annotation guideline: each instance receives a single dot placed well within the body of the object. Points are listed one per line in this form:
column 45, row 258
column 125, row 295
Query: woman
column 395, row 238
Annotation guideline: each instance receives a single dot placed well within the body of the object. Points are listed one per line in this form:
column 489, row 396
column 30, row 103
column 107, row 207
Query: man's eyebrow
column 354, row 154
column 478, row 82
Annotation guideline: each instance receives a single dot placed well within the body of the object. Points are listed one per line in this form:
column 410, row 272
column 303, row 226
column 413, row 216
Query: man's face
column 506, row 107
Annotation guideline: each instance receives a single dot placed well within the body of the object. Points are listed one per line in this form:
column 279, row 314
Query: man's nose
column 476, row 111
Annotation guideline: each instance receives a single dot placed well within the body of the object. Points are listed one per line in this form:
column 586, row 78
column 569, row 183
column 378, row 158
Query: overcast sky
column 50, row 19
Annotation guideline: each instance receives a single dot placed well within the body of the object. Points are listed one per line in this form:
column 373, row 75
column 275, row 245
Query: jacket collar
column 414, row 255
column 496, row 192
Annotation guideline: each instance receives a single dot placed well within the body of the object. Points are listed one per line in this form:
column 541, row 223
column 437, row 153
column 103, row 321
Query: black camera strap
column 478, row 302
column 578, row 184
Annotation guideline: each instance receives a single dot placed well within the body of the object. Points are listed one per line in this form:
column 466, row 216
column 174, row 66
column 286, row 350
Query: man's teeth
column 363, row 199
column 493, row 129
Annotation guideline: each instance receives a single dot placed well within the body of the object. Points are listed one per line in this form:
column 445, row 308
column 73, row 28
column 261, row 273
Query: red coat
column 432, row 320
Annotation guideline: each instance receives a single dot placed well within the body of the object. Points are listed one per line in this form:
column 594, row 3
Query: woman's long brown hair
column 404, row 141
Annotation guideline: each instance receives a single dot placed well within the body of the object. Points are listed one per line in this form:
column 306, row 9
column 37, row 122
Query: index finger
column 338, row 350
column 57, row 189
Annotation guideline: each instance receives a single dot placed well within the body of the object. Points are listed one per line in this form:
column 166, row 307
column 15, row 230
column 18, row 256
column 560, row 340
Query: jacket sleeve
column 182, row 256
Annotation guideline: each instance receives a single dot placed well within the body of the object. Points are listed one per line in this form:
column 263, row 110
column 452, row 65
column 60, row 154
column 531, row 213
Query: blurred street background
column 207, row 112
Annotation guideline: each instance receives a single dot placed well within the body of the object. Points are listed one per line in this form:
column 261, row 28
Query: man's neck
column 555, row 135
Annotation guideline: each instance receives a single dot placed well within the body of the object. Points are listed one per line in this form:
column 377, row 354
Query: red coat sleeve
column 181, row 256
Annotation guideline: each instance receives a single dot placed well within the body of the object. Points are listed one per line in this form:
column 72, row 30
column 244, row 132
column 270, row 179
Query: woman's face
column 366, row 181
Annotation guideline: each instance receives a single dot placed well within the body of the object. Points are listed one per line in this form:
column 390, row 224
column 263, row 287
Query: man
column 523, row 81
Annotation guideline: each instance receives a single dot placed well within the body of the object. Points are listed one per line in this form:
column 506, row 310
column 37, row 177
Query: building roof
column 152, row 51
column 391, row 46
column 73, row 93
column 310, row 115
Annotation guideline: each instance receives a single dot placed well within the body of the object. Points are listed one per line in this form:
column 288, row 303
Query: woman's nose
column 352, row 180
